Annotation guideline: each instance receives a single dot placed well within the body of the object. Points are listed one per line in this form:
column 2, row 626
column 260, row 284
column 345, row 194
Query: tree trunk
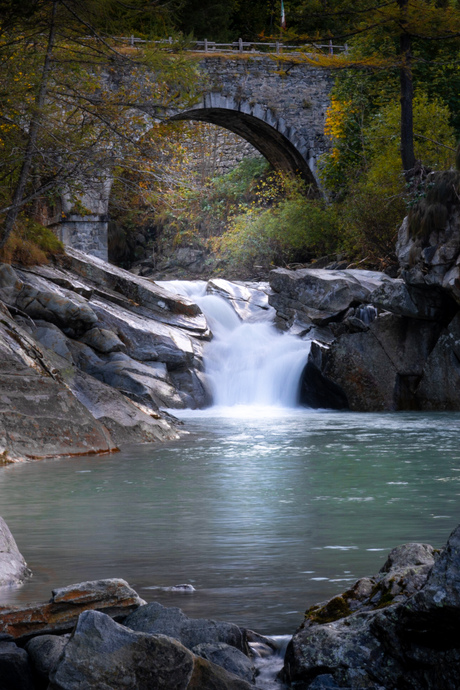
column 34, row 128
column 407, row 97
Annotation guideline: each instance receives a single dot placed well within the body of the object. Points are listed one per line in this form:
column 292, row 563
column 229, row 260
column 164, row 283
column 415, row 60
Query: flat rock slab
column 168, row 307
column 114, row 597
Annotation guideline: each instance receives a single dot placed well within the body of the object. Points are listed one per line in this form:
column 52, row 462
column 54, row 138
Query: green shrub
column 295, row 230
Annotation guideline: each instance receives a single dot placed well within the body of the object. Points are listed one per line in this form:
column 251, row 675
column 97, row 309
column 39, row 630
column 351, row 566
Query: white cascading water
column 247, row 363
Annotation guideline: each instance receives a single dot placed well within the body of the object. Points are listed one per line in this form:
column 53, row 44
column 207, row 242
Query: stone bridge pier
column 277, row 106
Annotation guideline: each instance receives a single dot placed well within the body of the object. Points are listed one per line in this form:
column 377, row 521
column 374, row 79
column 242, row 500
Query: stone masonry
column 277, row 106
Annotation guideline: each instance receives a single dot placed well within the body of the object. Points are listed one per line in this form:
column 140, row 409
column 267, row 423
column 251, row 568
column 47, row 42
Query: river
column 265, row 511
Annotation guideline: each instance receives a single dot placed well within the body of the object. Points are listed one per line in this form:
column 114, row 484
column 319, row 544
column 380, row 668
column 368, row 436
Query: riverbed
column 264, row 511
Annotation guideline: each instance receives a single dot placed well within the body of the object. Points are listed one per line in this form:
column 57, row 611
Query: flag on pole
column 283, row 16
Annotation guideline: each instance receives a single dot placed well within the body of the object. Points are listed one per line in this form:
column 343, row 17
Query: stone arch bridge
column 277, row 106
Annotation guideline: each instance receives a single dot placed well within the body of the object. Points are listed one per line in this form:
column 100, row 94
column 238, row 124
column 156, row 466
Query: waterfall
column 248, row 362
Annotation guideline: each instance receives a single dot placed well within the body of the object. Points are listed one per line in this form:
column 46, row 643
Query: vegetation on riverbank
column 59, row 129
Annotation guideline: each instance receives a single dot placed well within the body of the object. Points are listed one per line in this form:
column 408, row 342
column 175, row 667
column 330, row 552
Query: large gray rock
column 169, row 308
column 103, row 340
column 230, row 658
column 56, row 307
column 51, row 337
column 103, row 654
column 408, row 641
column 171, row 621
column 326, row 290
column 414, row 302
column 39, row 415
column 379, row 369
column 146, row 383
column 128, row 421
column 13, row 568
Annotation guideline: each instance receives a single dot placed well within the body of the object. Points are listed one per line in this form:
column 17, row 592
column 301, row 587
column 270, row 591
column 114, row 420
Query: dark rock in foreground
column 104, row 654
column 396, row 631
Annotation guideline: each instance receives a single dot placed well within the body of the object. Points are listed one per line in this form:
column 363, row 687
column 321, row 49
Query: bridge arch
column 284, row 148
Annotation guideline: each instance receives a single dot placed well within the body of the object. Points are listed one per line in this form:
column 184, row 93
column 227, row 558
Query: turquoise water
column 264, row 512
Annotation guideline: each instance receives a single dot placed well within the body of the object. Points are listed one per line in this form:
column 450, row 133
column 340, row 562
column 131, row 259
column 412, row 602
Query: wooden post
column 277, row 44
column 131, row 41
column 240, row 45
column 205, row 45
column 331, row 49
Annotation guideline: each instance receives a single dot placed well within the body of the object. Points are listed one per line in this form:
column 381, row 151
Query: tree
column 391, row 30
column 67, row 112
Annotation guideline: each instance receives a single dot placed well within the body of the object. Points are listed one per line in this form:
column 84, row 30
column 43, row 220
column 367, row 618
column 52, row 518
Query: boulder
column 412, row 301
column 157, row 619
column 15, row 670
column 44, row 652
column 51, row 337
column 406, row 637
column 230, row 658
column 316, row 390
column 379, row 369
column 326, row 290
column 127, row 421
column 115, row 597
column 13, row 568
column 104, row 654
column 146, row 339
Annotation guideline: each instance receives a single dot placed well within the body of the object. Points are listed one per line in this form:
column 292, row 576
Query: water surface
column 264, row 512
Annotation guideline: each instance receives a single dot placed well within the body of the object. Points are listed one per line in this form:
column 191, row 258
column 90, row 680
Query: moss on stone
column 335, row 609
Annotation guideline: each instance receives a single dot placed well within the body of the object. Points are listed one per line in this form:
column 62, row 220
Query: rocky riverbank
column 395, row 630
column 91, row 354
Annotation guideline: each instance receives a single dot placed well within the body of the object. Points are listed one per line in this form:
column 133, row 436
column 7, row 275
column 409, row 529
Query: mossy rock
column 335, row 609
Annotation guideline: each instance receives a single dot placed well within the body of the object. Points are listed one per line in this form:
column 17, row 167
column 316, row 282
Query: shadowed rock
column 172, row 621
column 103, row 654
column 402, row 633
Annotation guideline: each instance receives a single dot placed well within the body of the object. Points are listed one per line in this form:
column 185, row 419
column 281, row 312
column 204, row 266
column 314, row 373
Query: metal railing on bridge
column 240, row 46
